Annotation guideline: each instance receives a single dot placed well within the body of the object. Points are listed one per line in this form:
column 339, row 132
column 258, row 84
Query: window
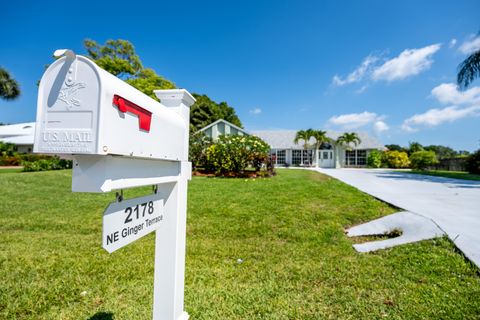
column 355, row 157
column 350, row 157
column 296, row 157
column 278, row 156
column 302, row 157
column 361, row 157
column 307, row 157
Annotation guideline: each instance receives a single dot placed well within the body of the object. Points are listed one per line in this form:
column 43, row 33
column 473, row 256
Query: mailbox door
column 67, row 111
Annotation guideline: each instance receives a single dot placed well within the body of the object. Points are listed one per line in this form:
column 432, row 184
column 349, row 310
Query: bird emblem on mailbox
column 67, row 94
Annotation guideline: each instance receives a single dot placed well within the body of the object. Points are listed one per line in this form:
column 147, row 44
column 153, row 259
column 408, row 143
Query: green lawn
column 9, row 170
column 288, row 230
column 450, row 174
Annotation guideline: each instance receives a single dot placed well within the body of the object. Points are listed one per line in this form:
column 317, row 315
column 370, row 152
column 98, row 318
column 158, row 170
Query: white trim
column 226, row 122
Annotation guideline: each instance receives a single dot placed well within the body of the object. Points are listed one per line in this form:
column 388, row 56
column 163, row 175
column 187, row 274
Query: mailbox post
column 121, row 138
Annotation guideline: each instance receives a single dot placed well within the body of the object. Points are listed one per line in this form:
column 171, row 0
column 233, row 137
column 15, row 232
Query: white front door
column 326, row 158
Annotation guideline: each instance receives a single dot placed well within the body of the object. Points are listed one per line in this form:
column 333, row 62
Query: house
column 219, row 127
column 20, row 134
column 285, row 152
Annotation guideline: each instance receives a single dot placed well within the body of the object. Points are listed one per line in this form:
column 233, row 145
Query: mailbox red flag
column 144, row 116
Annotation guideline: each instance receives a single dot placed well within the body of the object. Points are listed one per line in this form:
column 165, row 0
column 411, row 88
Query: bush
column 423, row 159
column 374, row 159
column 232, row 155
column 396, row 159
column 199, row 144
column 52, row 163
column 473, row 163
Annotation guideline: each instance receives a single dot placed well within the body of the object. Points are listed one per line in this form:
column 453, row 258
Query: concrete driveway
column 453, row 204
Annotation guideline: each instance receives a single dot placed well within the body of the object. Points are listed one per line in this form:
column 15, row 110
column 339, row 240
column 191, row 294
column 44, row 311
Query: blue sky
column 378, row 66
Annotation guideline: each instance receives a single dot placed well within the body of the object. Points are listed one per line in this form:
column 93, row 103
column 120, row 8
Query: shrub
column 396, row 159
column 233, row 154
column 199, row 144
column 52, row 163
column 423, row 159
column 7, row 149
column 10, row 161
column 473, row 163
column 374, row 159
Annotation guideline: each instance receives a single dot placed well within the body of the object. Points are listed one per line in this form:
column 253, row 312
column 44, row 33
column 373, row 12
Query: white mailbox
column 104, row 122
column 83, row 109
column 121, row 138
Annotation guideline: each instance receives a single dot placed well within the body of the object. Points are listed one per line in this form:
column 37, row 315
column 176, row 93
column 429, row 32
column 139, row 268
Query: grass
column 296, row 262
column 449, row 174
column 10, row 170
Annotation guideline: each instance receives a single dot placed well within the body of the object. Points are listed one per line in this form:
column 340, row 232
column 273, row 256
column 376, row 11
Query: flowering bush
column 233, row 154
column 396, row 159
column 197, row 154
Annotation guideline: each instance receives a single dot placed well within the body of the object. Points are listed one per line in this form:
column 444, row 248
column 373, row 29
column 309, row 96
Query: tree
column 442, row 152
column 320, row 138
column 473, row 163
column 116, row 56
column 395, row 147
column 304, row 135
column 205, row 111
column 119, row 58
column 468, row 70
column 349, row 138
column 147, row 81
column 9, row 87
column 414, row 147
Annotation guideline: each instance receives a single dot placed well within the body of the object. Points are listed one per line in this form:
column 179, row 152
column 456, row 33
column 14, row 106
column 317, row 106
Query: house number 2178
column 138, row 211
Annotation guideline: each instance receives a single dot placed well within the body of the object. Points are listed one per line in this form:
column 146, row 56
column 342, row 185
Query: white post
column 170, row 239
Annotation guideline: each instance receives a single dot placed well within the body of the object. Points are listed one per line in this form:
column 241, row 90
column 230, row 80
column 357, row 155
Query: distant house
column 285, row 152
column 219, row 127
column 20, row 134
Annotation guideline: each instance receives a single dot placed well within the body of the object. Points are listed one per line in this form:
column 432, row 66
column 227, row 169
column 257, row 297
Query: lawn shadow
column 102, row 316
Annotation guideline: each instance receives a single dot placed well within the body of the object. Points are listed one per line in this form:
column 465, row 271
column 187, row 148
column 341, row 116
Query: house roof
column 19, row 129
column 224, row 121
column 283, row 139
column 20, row 133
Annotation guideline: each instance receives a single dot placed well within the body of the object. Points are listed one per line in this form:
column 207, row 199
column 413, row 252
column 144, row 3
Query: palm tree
column 347, row 139
column 304, row 135
column 320, row 138
column 468, row 70
column 9, row 88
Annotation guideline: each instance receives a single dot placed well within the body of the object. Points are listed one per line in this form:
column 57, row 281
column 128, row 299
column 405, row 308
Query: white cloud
column 447, row 93
column 470, row 45
column 452, row 43
column 409, row 63
column 255, row 111
column 358, row 74
column 380, row 126
column 435, row 117
column 358, row 120
column 462, row 104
